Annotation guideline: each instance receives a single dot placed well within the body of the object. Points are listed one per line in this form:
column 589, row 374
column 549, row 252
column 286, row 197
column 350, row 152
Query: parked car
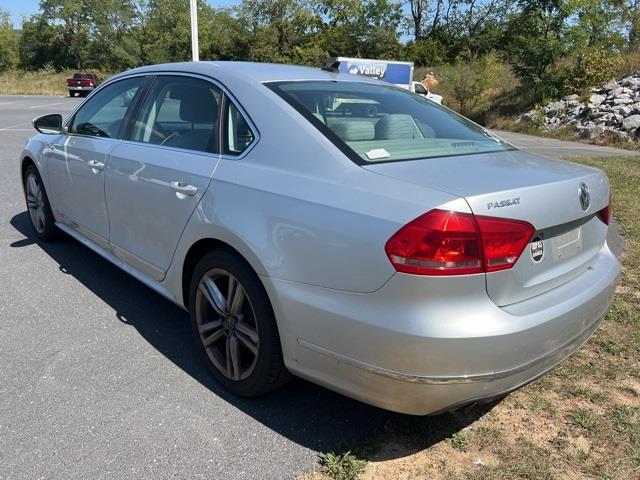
column 82, row 83
column 421, row 89
column 333, row 227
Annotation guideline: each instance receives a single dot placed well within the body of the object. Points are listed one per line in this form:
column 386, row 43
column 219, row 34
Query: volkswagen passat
column 334, row 227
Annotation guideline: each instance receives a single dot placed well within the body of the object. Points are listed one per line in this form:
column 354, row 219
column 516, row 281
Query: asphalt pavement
column 552, row 147
column 99, row 377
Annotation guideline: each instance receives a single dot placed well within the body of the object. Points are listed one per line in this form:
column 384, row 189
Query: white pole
column 195, row 49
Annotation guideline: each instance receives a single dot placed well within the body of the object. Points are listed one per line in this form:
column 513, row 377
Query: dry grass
column 581, row 421
column 44, row 82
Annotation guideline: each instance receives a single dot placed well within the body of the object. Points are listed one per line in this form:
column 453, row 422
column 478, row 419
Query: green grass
column 459, row 441
column 342, row 466
column 625, row 420
column 584, row 418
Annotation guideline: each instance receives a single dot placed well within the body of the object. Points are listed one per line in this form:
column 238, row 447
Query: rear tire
column 38, row 206
column 72, row 93
column 234, row 325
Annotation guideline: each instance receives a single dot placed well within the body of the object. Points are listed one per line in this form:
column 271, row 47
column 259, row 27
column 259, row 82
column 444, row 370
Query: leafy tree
column 367, row 28
column 471, row 82
column 596, row 25
column 536, row 37
column 8, row 42
column 73, row 19
column 42, row 44
column 418, row 10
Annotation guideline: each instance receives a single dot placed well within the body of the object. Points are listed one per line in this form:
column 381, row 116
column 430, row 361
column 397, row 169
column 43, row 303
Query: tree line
column 534, row 37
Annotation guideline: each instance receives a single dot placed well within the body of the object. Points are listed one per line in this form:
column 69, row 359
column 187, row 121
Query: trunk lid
column 518, row 185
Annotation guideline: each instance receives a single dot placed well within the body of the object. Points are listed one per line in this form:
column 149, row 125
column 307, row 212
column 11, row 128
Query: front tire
column 234, row 325
column 38, row 205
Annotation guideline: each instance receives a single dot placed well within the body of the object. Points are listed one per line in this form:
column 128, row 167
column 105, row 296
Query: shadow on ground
column 309, row 415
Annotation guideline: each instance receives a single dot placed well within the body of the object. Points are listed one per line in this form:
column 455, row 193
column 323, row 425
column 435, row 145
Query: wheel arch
column 200, row 248
column 24, row 164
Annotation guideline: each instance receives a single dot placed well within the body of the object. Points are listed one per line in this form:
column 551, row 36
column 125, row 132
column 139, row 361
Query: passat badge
column 537, row 249
column 503, row 203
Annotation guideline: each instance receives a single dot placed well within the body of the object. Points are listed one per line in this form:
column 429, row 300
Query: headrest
column 354, row 131
column 397, row 126
column 197, row 104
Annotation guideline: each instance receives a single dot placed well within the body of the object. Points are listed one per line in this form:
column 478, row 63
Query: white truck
column 398, row 73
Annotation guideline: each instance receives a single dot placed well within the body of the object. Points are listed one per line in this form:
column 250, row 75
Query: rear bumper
column 77, row 88
column 421, row 345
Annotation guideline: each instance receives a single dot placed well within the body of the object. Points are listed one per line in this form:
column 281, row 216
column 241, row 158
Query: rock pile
column 614, row 108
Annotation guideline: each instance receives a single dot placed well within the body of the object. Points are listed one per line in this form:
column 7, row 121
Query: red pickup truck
column 82, row 83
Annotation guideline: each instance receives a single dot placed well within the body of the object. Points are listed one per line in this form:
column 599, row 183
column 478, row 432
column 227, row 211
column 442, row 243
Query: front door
column 77, row 160
column 155, row 181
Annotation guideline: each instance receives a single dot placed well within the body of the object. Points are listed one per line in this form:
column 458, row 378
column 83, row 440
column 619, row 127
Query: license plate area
column 567, row 245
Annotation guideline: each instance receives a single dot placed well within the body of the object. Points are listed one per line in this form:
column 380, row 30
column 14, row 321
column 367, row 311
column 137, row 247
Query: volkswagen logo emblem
column 584, row 196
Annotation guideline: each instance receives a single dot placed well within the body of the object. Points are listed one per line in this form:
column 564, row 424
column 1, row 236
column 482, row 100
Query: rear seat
column 353, row 129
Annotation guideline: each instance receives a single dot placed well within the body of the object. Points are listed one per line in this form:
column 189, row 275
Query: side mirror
column 50, row 124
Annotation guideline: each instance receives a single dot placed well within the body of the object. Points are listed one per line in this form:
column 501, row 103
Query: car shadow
column 309, row 415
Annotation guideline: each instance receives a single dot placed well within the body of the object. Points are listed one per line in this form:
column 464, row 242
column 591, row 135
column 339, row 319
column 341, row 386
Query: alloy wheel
column 35, row 202
column 227, row 324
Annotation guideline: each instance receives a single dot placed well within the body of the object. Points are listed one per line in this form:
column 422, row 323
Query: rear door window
column 180, row 112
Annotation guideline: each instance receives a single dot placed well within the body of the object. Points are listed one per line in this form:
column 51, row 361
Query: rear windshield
column 82, row 76
column 374, row 123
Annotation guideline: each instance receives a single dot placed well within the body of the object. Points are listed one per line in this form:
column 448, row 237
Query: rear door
column 155, row 180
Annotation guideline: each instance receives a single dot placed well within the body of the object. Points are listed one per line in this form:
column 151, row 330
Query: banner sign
column 396, row 73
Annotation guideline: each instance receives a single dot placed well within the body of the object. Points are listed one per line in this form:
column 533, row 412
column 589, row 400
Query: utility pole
column 195, row 49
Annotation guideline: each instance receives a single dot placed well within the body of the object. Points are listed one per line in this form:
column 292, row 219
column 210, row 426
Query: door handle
column 95, row 165
column 180, row 187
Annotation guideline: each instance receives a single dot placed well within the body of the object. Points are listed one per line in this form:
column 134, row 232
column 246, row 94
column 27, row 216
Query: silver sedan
column 331, row 227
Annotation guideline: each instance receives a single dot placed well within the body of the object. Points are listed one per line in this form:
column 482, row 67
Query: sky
column 25, row 8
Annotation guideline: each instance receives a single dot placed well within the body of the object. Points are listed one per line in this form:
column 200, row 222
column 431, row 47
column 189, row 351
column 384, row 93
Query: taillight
column 605, row 213
column 454, row 243
column 503, row 241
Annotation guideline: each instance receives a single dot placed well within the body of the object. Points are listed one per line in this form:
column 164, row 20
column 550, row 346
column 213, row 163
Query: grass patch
column 342, row 466
column 625, row 420
column 584, row 418
column 459, row 441
column 43, row 82
column 587, row 393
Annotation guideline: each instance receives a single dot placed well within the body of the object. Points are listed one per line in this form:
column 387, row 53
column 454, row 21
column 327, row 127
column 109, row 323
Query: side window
column 103, row 114
column 238, row 135
column 180, row 112
column 419, row 88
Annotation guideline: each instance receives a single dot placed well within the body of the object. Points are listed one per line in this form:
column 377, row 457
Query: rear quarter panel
column 299, row 210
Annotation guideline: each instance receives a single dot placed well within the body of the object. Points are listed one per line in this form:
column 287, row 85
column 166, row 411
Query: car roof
column 255, row 72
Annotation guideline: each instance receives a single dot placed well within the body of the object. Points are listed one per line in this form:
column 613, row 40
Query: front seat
column 199, row 107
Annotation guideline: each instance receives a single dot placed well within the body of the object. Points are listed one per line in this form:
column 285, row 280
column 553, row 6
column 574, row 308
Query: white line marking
column 16, row 129
column 47, row 105
column 7, row 103
column 9, row 127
